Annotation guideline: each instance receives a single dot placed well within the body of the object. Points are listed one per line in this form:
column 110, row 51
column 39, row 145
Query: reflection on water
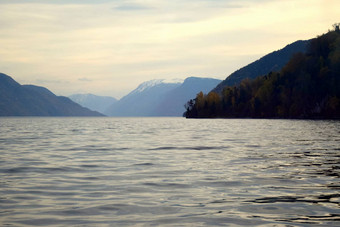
column 169, row 171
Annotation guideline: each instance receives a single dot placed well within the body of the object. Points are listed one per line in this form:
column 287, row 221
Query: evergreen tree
column 308, row 86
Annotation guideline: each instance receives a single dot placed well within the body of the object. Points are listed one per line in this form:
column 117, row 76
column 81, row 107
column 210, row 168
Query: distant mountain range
column 160, row 97
column 151, row 98
column 30, row 100
column 272, row 62
column 93, row 102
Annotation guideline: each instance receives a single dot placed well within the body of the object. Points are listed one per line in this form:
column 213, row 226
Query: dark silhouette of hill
column 307, row 87
column 30, row 100
column 272, row 62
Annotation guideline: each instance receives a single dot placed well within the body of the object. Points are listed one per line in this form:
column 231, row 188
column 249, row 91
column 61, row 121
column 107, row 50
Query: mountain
column 307, row 87
column 93, row 102
column 160, row 97
column 173, row 102
column 272, row 62
column 30, row 100
column 143, row 100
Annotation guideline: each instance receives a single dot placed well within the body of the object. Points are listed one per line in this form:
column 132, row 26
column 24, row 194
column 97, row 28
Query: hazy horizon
column 109, row 47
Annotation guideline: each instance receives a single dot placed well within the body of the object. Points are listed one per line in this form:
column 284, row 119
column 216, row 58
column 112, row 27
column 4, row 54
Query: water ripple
column 168, row 172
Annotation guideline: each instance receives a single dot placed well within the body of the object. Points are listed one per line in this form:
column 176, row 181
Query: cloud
column 84, row 79
column 48, row 81
column 116, row 44
column 131, row 7
column 56, row 2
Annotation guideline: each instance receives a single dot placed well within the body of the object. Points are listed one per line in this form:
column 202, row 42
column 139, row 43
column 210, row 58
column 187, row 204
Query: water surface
column 169, row 171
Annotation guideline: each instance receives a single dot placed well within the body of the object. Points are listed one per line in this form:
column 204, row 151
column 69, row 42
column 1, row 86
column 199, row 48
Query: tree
column 306, row 87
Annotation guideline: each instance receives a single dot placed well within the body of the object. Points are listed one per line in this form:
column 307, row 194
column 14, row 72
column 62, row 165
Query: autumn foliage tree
column 307, row 87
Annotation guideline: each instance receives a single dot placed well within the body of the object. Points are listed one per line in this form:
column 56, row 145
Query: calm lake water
column 169, row 172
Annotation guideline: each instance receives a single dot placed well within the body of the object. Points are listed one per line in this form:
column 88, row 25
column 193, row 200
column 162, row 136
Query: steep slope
column 30, row 100
column 270, row 63
column 93, row 102
column 174, row 101
column 307, row 87
column 143, row 100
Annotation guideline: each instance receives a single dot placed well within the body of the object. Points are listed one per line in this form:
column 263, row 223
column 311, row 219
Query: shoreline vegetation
column 307, row 87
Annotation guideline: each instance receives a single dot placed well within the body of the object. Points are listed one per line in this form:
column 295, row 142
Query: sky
column 109, row 47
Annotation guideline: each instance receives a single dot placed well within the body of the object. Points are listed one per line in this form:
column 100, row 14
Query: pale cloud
column 118, row 44
column 84, row 79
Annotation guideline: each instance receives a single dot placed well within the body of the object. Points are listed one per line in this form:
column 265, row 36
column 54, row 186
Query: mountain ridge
column 271, row 62
column 135, row 104
column 31, row 100
column 307, row 87
column 153, row 98
column 175, row 100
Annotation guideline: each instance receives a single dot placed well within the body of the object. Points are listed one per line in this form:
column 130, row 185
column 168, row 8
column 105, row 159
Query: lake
column 169, row 172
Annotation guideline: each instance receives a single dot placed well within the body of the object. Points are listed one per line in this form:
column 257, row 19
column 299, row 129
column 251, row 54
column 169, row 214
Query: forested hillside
column 269, row 63
column 308, row 86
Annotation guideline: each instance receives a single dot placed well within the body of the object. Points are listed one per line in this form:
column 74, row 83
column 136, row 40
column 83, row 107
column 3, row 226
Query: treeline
column 307, row 87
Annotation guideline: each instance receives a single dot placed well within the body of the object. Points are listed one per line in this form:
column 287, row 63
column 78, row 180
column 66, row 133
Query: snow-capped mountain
column 173, row 102
column 143, row 100
column 160, row 97
column 152, row 83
